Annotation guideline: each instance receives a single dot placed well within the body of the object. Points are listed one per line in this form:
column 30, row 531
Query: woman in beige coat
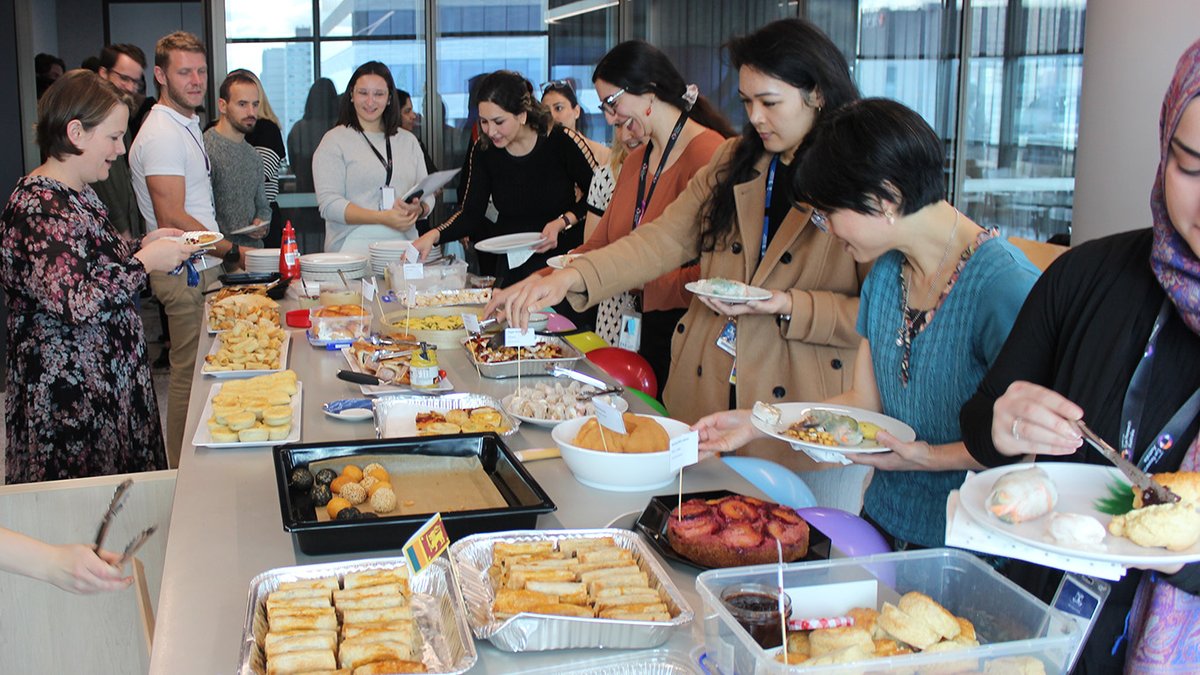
column 800, row 343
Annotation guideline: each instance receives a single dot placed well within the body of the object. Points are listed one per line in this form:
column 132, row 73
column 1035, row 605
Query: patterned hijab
column 1173, row 261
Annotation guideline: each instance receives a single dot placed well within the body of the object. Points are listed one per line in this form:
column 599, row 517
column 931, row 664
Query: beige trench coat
column 809, row 358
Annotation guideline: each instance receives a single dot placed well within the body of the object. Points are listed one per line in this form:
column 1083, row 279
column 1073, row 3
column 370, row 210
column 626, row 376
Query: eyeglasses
column 557, row 84
column 819, row 220
column 607, row 103
column 133, row 81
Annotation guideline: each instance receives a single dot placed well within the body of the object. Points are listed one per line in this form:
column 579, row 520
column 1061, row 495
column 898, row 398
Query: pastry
column 276, row 415
column 1186, row 484
column 383, row 500
column 254, row 435
column 736, row 530
column 1175, row 527
column 240, row 420
column 642, row 435
column 279, row 432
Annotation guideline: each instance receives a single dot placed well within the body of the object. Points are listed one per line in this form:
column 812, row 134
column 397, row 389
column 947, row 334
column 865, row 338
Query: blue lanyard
column 1135, row 402
column 762, row 249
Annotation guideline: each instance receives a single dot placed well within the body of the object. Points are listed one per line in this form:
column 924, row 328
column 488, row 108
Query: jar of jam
column 423, row 367
column 756, row 608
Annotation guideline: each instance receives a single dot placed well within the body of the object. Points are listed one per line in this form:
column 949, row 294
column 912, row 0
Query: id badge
column 387, row 198
column 630, row 336
column 727, row 340
column 733, row 374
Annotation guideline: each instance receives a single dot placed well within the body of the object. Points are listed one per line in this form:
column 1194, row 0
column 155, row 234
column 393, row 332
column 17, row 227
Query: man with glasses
column 123, row 65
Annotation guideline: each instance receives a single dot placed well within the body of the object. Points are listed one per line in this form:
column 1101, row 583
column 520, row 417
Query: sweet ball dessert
column 736, row 530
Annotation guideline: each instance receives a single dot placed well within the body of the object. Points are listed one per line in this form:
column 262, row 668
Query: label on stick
column 685, row 450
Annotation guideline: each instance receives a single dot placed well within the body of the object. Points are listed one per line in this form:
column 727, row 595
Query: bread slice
column 355, row 652
column 301, row 662
column 390, row 667
column 299, row 641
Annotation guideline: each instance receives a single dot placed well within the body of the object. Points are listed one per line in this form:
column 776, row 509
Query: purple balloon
column 849, row 533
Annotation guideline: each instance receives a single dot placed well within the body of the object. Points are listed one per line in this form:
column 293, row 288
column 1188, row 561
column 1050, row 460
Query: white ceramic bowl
column 613, row 471
column 617, row 402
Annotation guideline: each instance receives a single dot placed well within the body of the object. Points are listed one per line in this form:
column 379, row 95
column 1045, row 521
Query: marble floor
column 153, row 327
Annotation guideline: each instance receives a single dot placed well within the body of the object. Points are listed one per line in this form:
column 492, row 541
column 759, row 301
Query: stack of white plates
column 385, row 252
column 262, row 260
column 325, row 267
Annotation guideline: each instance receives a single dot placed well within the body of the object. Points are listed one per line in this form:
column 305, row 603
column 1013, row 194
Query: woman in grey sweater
column 365, row 164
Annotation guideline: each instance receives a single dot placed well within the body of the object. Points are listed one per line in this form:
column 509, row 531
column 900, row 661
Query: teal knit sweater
column 949, row 358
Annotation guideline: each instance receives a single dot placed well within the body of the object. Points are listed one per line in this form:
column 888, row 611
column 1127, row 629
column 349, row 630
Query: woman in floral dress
column 79, row 401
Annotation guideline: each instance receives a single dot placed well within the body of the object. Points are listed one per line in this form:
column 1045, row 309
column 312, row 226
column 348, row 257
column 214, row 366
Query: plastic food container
column 525, row 498
column 435, row 276
column 1010, row 623
column 333, row 324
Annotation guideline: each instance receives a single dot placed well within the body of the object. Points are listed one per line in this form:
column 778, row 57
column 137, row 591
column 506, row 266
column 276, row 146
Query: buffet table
column 226, row 526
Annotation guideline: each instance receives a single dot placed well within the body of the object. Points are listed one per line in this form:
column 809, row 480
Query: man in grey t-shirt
column 238, row 194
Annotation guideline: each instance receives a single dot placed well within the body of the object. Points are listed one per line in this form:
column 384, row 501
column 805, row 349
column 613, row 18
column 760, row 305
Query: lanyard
column 203, row 153
column 762, row 249
column 1135, row 403
column 387, row 164
column 643, row 201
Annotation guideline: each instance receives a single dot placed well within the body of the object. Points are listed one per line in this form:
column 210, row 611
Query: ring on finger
column 1015, row 435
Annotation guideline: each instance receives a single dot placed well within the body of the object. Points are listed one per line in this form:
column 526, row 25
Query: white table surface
column 226, row 526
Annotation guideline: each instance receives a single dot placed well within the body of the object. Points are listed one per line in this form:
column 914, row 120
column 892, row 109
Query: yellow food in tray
column 368, row 627
column 460, row 421
column 448, row 322
column 241, row 303
column 248, row 346
column 584, row 577
column 253, row 410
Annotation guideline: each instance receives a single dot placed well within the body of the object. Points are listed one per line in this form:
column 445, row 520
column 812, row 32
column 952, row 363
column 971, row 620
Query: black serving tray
column 245, row 278
column 652, row 524
column 526, row 499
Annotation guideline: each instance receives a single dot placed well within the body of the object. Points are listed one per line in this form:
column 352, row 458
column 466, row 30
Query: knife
column 364, row 378
column 1152, row 491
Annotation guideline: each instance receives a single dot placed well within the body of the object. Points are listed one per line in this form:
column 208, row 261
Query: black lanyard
column 203, row 152
column 643, row 202
column 387, row 164
column 766, row 234
column 1135, row 403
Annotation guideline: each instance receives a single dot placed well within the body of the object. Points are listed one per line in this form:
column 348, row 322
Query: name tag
column 387, row 198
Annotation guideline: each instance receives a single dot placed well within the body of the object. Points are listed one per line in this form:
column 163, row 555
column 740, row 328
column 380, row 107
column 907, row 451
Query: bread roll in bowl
column 618, row 471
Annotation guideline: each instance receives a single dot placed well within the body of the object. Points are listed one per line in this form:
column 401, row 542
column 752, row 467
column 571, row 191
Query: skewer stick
column 679, row 510
column 782, row 617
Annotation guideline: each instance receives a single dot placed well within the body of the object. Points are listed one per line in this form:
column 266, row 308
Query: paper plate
column 510, row 242
column 791, row 413
column 560, row 261
column 704, row 287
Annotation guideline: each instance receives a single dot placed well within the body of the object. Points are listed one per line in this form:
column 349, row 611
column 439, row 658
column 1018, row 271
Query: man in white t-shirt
column 171, row 180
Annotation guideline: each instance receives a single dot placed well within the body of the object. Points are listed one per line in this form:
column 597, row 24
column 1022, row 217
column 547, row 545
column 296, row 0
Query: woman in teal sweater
column 933, row 312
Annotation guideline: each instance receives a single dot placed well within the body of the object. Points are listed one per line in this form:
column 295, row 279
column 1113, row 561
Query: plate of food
column 560, row 261
column 234, row 303
column 248, row 349
column 260, row 411
column 704, row 530
column 392, row 367
column 822, row 427
column 511, row 242
column 727, row 290
column 1064, row 507
column 407, row 416
column 546, row 404
column 201, row 238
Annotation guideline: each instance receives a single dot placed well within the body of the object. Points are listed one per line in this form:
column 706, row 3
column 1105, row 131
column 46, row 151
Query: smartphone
column 415, row 196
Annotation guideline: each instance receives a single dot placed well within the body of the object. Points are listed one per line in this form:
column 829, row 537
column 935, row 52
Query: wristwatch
column 567, row 224
column 234, row 255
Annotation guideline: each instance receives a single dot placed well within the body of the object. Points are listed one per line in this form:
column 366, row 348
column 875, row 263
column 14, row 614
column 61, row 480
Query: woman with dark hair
column 677, row 144
column 737, row 216
column 320, row 115
column 82, row 401
column 560, row 99
column 408, row 122
column 535, row 172
column 1110, row 334
column 365, row 164
column 940, row 299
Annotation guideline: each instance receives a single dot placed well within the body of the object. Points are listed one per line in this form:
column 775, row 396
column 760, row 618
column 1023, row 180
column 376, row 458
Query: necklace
column 905, row 337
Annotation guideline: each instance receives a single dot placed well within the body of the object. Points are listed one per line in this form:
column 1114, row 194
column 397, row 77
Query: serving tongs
column 114, row 507
column 602, row 387
column 1153, row 492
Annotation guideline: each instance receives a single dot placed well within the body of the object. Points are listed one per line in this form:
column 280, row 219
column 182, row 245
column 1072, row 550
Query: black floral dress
column 80, row 401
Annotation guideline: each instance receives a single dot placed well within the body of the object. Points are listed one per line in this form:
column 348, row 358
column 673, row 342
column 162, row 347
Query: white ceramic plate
column 203, row 439
column 196, row 237
column 1079, row 486
column 560, row 261
column 619, row 403
column 283, row 361
column 384, row 389
column 703, row 287
column 791, row 413
column 332, row 261
column 510, row 242
column 350, row 409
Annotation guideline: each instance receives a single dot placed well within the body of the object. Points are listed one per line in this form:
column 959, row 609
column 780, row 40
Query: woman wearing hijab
column 1106, row 337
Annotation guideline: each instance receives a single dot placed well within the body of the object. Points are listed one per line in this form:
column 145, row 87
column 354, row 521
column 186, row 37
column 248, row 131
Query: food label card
column 685, row 450
column 369, row 289
column 608, row 416
column 515, row 337
column 471, row 323
column 414, row 270
column 411, row 254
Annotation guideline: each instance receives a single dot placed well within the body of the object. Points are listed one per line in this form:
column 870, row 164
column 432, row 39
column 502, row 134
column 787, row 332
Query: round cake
column 735, row 530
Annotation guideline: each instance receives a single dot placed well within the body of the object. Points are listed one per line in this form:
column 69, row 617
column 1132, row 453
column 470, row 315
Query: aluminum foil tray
column 446, row 645
column 528, row 367
column 392, row 409
column 532, row 632
column 657, row 662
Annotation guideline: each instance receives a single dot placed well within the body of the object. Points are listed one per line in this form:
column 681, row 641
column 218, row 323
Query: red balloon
column 626, row 367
